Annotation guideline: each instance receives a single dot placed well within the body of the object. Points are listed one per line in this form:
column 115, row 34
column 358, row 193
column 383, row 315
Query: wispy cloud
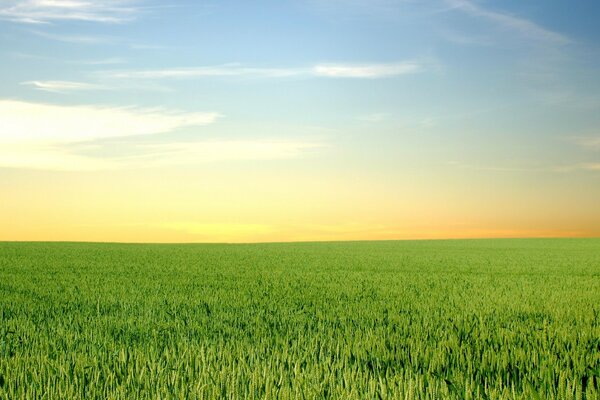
column 94, row 40
column 104, row 61
column 92, row 62
column 373, row 117
column 187, row 153
column 520, row 25
column 38, row 142
column 62, row 86
column 564, row 168
column 368, row 71
column 46, row 11
column 591, row 166
column 383, row 10
column 199, row 72
column 57, row 123
column 78, row 39
column 588, row 142
column 60, row 137
column 60, row 157
column 460, row 38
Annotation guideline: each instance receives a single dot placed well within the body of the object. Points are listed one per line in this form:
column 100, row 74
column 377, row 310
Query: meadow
column 455, row 319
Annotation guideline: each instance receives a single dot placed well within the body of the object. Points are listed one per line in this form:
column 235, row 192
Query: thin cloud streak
column 62, row 86
column 77, row 39
column 360, row 71
column 189, row 153
column 373, row 117
column 104, row 61
column 541, row 169
column 588, row 142
column 579, row 167
column 200, row 72
column 521, row 25
column 368, row 71
column 464, row 39
column 47, row 11
column 591, row 166
column 95, row 40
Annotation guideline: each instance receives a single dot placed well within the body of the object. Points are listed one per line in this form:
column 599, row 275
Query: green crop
column 458, row 319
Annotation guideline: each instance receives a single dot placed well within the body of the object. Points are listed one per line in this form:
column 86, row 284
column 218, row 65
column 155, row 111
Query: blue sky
column 393, row 93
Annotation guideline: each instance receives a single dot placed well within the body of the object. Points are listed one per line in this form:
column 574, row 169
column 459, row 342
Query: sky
column 299, row 120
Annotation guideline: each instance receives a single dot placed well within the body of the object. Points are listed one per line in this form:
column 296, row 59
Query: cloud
column 44, row 136
column 189, row 153
column 62, row 86
column 34, row 134
column 79, row 39
column 523, row 26
column 61, row 158
column 591, row 166
column 565, row 168
column 200, row 72
column 58, row 124
column 46, row 11
column 373, row 117
column 464, row 39
column 365, row 71
column 45, row 157
column 390, row 10
column 104, row 61
column 95, row 40
column 588, row 142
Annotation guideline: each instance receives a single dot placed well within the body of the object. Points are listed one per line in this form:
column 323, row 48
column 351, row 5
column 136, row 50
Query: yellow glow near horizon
column 259, row 206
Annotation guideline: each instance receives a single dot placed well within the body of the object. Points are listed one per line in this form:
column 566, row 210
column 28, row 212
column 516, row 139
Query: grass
column 460, row 319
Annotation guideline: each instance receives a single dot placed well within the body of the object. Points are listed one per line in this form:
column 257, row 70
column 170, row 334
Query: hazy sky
column 298, row 120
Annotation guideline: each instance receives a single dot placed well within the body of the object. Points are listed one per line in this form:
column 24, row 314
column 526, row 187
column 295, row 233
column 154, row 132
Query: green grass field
column 460, row 319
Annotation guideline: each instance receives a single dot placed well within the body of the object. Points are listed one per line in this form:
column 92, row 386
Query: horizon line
column 302, row 241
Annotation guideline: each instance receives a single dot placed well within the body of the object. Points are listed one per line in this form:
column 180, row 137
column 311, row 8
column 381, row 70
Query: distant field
column 460, row 319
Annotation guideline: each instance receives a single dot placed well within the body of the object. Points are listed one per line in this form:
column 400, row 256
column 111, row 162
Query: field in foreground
column 461, row 319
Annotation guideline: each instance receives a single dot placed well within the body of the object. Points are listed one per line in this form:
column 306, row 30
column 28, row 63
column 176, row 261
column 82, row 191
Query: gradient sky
column 244, row 121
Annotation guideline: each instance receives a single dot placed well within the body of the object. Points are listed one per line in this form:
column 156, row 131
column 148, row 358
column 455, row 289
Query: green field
column 457, row 319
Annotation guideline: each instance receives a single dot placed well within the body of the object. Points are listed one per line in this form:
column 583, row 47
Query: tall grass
column 481, row 319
